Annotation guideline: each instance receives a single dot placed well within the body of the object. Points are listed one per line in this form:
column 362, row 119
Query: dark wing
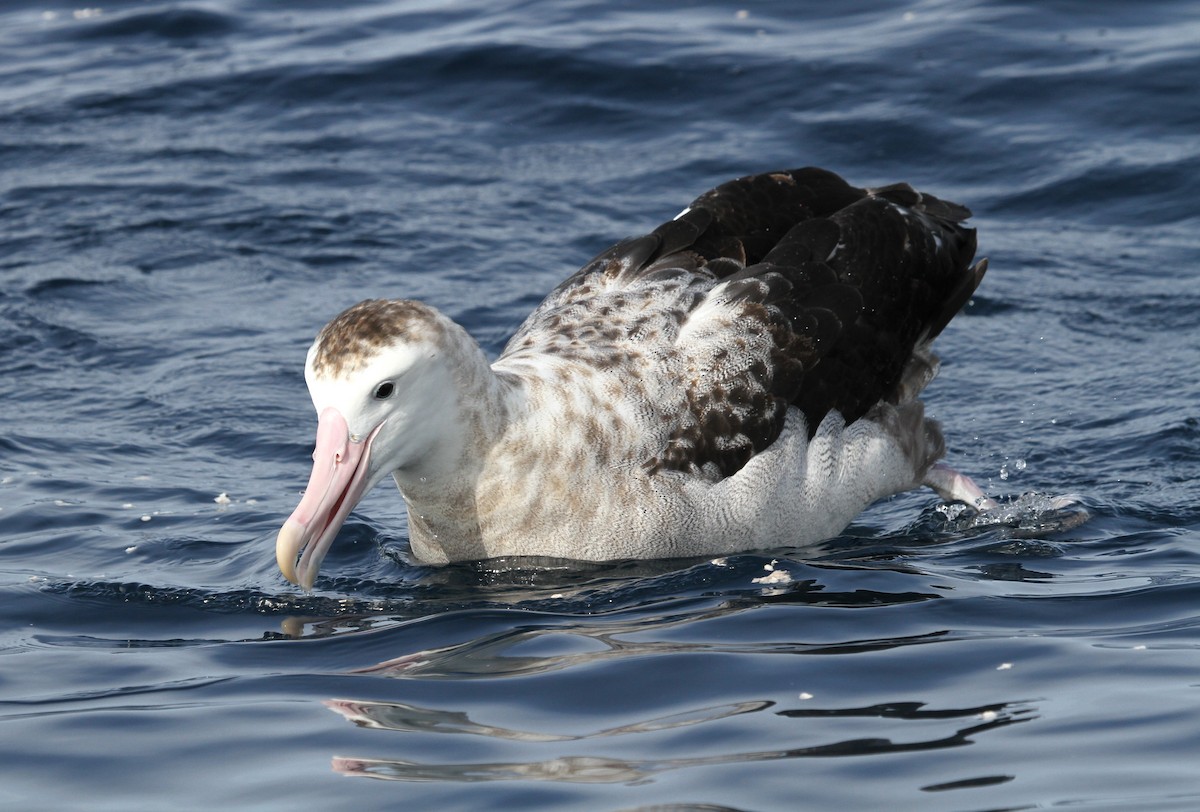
column 909, row 259
column 787, row 288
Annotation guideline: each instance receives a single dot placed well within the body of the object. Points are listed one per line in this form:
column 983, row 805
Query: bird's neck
column 440, row 489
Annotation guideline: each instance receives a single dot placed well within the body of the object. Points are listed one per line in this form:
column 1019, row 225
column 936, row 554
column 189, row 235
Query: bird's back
column 783, row 289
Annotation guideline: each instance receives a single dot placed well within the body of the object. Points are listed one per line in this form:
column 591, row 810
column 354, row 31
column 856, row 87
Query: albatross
column 744, row 377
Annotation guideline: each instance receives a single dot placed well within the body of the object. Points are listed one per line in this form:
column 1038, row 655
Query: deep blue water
column 188, row 191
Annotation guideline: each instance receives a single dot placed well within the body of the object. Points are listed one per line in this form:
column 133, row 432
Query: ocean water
column 188, row 191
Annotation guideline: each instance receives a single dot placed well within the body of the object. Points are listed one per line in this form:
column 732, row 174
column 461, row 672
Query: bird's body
column 744, row 377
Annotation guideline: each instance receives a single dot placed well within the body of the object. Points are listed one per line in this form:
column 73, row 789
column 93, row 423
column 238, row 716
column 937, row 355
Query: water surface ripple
column 190, row 190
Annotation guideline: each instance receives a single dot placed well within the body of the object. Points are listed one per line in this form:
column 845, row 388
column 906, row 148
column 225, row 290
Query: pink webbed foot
column 955, row 487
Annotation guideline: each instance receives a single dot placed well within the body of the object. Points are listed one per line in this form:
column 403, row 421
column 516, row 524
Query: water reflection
column 404, row 718
column 511, row 643
column 608, row 769
column 565, row 646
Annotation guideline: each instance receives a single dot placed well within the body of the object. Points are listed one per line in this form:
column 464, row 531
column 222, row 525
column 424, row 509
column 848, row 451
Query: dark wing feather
column 912, row 270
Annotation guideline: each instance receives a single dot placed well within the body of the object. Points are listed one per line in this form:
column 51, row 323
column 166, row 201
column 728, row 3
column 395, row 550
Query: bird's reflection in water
column 602, row 769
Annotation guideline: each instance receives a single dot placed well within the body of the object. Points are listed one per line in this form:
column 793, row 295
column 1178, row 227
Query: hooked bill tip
column 287, row 549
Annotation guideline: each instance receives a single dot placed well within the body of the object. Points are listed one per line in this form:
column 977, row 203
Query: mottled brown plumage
column 366, row 328
column 845, row 282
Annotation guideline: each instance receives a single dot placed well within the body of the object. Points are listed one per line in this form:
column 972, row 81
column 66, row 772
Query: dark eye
column 384, row 390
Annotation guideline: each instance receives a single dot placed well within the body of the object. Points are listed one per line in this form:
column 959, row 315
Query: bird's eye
column 384, row 390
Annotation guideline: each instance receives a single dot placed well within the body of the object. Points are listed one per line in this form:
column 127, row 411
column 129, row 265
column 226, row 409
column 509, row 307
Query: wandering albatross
column 746, row 376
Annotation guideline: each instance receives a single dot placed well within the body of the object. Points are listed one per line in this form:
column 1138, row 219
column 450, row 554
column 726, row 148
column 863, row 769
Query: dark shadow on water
column 850, row 572
column 345, row 603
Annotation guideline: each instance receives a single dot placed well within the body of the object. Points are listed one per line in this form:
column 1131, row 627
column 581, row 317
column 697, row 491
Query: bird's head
column 383, row 389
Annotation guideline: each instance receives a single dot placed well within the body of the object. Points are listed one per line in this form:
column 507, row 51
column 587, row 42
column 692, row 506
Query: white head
column 382, row 381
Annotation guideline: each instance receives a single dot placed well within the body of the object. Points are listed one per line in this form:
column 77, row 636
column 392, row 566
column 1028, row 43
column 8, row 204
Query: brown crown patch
column 367, row 327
